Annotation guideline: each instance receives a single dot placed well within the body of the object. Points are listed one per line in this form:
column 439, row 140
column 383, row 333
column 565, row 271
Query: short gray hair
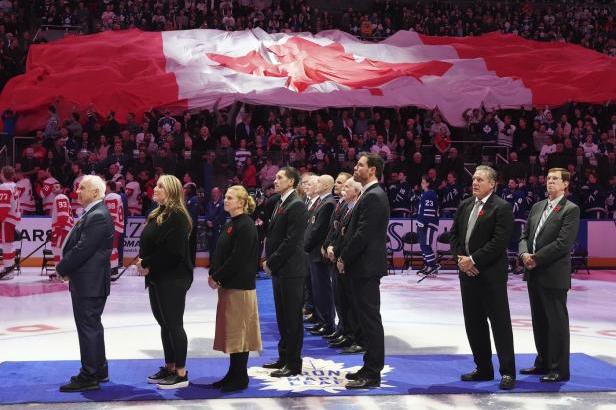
column 97, row 183
column 356, row 185
column 489, row 171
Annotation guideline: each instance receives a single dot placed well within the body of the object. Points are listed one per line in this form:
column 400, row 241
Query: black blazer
column 335, row 223
column 85, row 256
column 554, row 243
column 165, row 249
column 489, row 239
column 317, row 228
column 284, row 244
column 235, row 260
column 363, row 248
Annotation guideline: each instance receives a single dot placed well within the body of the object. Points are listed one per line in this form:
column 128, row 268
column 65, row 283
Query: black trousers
column 192, row 241
column 550, row 316
column 288, row 301
column 367, row 294
column 323, row 294
column 87, row 313
column 308, row 296
column 347, row 305
column 482, row 302
column 167, row 300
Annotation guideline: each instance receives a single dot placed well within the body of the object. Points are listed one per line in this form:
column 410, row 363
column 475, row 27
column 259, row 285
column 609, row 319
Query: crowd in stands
column 247, row 144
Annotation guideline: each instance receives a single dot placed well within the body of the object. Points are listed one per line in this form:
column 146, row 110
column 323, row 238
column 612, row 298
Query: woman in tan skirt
column 232, row 272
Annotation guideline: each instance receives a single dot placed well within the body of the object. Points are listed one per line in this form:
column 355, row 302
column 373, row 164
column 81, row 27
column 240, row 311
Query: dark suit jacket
column 554, row 243
column 284, row 244
column 489, row 239
column 363, row 248
column 85, row 257
column 335, row 224
column 317, row 228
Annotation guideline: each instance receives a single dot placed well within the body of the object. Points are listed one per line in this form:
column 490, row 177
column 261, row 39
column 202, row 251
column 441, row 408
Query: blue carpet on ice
column 38, row 382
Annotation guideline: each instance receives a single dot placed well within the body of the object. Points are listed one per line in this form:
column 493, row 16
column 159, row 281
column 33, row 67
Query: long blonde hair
column 175, row 201
column 241, row 194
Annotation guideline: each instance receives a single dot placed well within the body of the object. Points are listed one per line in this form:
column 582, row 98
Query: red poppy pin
column 229, row 230
column 481, row 213
column 279, row 211
column 557, row 208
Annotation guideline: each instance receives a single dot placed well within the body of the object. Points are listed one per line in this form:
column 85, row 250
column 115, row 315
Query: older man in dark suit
column 479, row 236
column 286, row 262
column 363, row 257
column 545, row 249
column 86, row 264
column 316, row 232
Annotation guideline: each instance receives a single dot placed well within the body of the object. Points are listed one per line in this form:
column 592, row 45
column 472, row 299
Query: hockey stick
column 114, row 278
column 12, row 267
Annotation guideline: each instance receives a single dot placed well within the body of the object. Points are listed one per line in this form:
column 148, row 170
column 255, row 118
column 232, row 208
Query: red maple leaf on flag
column 305, row 63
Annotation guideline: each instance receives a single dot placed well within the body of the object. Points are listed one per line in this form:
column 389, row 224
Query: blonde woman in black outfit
column 233, row 271
column 164, row 260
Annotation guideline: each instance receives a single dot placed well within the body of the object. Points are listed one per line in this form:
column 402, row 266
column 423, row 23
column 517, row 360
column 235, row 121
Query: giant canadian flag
column 135, row 71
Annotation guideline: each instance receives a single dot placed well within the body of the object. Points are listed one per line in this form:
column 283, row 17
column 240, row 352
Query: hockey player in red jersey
column 24, row 194
column 10, row 216
column 113, row 202
column 61, row 220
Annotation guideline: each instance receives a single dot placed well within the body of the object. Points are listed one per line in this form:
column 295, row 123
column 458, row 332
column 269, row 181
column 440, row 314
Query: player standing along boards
column 9, row 218
column 61, row 221
column 113, row 202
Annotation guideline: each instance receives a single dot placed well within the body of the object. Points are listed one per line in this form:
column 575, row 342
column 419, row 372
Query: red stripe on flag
column 120, row 71
column 555, row 72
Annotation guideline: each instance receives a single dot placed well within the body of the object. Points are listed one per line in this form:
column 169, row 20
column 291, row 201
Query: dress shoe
column 354, row 375
column 285, row 372
column 332, row 336
column 309, row 318
column 278, row 364
column 507, row 382
column 353, row 349
column 363, row 383
column 79, row 384
column 339, row 338
column 340, row 343
column 554, row 377
column 101, row 378
column 314, row 327
column 533, row 370
column 477, row 376
column 320, row 332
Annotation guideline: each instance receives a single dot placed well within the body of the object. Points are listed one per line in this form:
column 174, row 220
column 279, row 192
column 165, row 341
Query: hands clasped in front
column 141, row 270
column 466, row 265
column 529, row 261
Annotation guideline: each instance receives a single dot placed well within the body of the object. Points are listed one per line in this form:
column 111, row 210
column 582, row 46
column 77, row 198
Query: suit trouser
column 480, row 302
column 308, row 296
column 288, row 302
column 323, row 294
column 348, row 306
column 367, row 294
column 87, row 313
column 550, row 316
column 168, row 300
column 338, row 299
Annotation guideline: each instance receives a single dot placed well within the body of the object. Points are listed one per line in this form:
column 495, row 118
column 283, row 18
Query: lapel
column 535, row 218
column 553, row 215
column 69, row 242
column 282, row 208
column 484, row 209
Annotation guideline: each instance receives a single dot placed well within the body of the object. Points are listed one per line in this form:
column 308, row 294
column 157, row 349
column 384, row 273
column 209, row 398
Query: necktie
column 471, row 222
column 544, row 218
column 278, row 205
column 315, row 204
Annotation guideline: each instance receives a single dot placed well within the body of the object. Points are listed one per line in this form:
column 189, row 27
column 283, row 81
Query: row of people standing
column 354, row 231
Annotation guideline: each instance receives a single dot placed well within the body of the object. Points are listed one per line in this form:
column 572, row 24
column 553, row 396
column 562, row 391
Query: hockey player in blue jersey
column 451, row 195
column 427, row 225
